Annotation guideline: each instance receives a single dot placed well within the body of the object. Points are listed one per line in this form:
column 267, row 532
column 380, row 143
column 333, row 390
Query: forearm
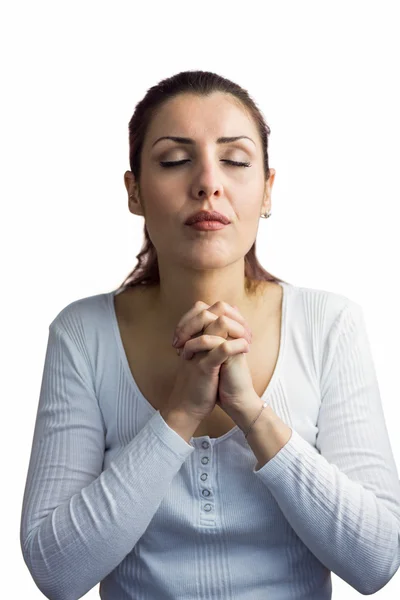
column 346, row 526
column 267, row 435
column 92, row 530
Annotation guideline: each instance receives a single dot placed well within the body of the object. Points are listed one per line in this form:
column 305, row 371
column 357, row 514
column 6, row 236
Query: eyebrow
column 220, row 140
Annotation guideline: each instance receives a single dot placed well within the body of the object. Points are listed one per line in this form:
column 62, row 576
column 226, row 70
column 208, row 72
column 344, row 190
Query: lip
column 208, row 225
column 207, row 215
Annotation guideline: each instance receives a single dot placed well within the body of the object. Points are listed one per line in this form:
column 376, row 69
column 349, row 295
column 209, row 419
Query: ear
column 132, row 188
column 266, row 205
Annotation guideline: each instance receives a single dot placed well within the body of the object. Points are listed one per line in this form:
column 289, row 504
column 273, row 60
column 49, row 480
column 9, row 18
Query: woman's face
column 205, row 181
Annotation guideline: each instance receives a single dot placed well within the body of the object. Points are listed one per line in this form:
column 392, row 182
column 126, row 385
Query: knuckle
column 223, row 319
column 200, row 304
column 220, row 304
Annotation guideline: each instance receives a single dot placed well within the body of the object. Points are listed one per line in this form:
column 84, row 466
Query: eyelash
column 168, row 164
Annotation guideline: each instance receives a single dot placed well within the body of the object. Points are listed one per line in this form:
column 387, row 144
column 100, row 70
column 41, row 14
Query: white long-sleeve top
column 114, row 495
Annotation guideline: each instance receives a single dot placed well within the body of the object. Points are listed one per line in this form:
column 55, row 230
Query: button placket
column 204, row 476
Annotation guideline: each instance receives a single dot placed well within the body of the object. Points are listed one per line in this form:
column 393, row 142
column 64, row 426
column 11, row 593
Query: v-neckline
column 268, row 391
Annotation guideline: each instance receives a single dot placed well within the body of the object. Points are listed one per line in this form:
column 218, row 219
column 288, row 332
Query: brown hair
column 201, row 83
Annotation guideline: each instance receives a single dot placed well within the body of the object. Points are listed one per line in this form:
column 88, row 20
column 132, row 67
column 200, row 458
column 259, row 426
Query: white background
column 325, row 75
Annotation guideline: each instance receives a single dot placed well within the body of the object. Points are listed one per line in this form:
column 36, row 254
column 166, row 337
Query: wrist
column 182, row 423
column 248, row 413
column 256, row 419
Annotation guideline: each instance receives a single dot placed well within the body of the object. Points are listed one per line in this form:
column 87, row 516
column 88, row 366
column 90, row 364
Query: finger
column 196, row 309
column 218, row 308
column 205, row 317
column 223, row 308
column 222, row 326
column 222, row 351
column 230, row 326
column 209, row 343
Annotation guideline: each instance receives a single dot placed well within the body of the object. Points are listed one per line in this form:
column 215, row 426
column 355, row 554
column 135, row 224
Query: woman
column 252, row 461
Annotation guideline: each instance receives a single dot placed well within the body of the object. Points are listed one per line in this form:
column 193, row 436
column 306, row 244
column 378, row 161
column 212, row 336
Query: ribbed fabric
column 114, row 495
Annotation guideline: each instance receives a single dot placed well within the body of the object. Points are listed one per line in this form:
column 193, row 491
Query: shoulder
column 319, row 313
column 326, row 304
column 83, row 314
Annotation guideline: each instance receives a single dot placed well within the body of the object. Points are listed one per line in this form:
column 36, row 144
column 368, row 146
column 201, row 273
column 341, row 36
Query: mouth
column 208, row 225
column 207, row 215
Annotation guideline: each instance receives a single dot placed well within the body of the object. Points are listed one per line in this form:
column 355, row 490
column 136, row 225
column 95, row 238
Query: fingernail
column 175, row 340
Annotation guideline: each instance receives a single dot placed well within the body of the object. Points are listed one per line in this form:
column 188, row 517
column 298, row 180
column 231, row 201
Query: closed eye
column 181, row 162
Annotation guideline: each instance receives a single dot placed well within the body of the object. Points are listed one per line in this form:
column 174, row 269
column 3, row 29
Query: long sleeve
column 79, row 522
column 342, row 498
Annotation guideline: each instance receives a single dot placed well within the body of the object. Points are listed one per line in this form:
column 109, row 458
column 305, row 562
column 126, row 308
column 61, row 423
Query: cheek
column 160, row 203
column 163, row 216
column 164, row 194
column 249, row 212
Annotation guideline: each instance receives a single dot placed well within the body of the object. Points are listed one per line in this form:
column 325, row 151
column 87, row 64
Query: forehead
column 201, row 116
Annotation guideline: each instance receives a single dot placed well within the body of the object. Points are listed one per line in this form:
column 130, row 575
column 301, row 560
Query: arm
column 342, row 498
column 78, row 523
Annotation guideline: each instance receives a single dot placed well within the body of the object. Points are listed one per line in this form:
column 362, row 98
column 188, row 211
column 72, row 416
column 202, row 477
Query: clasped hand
column 222, row 332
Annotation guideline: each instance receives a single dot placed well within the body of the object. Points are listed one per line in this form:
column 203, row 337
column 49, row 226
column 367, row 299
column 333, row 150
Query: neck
column 167, row 306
